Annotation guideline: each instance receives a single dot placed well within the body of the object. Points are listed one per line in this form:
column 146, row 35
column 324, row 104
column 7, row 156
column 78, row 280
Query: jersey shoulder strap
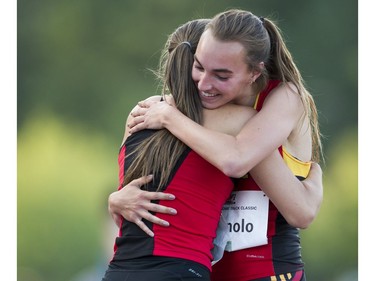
column 272, row 84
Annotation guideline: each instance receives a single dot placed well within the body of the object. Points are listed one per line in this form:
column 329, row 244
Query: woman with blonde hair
column 242, row 59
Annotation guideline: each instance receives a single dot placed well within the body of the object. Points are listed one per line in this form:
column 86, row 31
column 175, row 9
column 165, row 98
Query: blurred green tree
column 63, row 174
column 82, row 66
column 330, row 244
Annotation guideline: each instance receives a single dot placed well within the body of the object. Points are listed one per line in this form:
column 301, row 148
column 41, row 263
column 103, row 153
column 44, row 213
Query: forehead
column 217, row 54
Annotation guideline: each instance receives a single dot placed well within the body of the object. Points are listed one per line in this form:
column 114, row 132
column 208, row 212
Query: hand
column 134, row 204
column 149, row 114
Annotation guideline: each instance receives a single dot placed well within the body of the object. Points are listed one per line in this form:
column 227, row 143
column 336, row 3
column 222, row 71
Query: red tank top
column 282, row 253
column 200, row 190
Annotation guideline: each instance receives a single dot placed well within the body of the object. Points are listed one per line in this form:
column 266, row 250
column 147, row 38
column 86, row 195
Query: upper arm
column 297, row 202
column 270, row 127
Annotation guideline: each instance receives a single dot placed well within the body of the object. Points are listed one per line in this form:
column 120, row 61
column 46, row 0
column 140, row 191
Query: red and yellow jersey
column 282, row 253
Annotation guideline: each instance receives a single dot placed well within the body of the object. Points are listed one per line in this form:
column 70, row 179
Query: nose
column 204, row 82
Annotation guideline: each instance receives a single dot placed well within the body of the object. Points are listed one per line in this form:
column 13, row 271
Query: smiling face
column 221, row 74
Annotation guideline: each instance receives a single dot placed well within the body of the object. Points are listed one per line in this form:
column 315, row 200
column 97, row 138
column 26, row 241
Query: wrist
column 166, row 117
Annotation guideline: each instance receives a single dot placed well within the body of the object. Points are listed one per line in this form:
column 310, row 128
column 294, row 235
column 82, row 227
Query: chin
column 210, row 105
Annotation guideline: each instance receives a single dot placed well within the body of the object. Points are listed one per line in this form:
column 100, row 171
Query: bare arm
column 303, row 199
column 298, row 201
column 266, row 131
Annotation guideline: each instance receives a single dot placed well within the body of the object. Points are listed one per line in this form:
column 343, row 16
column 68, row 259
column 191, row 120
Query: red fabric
column 200, row 190
column 256, row 262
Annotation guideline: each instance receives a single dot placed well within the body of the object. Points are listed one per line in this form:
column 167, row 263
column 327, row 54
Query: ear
column 256, row 72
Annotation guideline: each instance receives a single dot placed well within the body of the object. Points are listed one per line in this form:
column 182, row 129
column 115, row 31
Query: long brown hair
column 263, row 41
column 158, row 154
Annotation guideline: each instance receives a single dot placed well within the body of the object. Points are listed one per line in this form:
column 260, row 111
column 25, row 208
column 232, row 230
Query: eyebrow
column 220, row 70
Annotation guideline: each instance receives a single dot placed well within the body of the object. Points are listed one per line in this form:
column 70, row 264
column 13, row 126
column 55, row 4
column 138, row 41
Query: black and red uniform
column 185, row 246
column 280, row 258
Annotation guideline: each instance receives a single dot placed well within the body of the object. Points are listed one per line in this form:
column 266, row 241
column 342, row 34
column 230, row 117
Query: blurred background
column 83, row 65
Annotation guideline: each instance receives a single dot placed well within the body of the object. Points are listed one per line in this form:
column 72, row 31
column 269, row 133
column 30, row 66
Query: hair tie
column 188, row 44
column 262, row 19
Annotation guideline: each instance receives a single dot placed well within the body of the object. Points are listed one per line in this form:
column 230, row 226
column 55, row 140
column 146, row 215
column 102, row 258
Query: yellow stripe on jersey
column 256, row 101
column 299, row 168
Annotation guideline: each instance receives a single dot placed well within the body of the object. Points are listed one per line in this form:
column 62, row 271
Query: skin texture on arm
column 272, row 175
column 263, row 134
column 298, row 202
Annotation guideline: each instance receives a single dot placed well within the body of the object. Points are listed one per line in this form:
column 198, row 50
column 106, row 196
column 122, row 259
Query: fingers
column 158, row 196
column 154, row 219
column 137, row 219
column 136, row 205
column 144, row 227
column 141, row 181
column 157, row 208
column 137, row 124
column 139, row 111
column 146, row 103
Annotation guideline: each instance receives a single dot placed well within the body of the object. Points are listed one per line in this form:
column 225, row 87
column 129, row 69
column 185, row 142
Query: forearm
column 233, row 155
column 228, row 153
column 297, row 201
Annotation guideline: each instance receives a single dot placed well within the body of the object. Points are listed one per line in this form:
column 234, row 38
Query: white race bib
column 243, row 222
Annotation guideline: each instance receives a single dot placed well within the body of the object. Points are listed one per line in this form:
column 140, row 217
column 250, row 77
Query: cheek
column 239, row 89
column 227, row 89
column 195, row 75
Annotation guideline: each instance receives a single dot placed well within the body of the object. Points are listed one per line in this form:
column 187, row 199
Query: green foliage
column 86, row 61
column 330, row 244
column 64, row 176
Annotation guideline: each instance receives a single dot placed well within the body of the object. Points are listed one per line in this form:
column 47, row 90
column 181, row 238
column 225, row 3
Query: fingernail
column 171, row 197
column 165, row 223
column 173, row 211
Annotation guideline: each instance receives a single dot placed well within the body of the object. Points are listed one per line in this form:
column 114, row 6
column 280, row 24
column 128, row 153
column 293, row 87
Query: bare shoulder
column 229, row 118
column 285, row 95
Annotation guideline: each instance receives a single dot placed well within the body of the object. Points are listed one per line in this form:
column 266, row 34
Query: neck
column 247, row 100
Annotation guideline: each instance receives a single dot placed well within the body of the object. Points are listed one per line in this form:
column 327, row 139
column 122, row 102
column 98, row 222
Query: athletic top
column 200, row 190
column 282, row 254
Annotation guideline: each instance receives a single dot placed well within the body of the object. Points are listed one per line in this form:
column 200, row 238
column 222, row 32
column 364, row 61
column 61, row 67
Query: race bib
column 243, row 222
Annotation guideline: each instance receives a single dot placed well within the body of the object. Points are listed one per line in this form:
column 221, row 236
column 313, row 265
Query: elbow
column 234, row 172
column 302, row 219
column 232, row 167
column 303, row 215
column 302, row 223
